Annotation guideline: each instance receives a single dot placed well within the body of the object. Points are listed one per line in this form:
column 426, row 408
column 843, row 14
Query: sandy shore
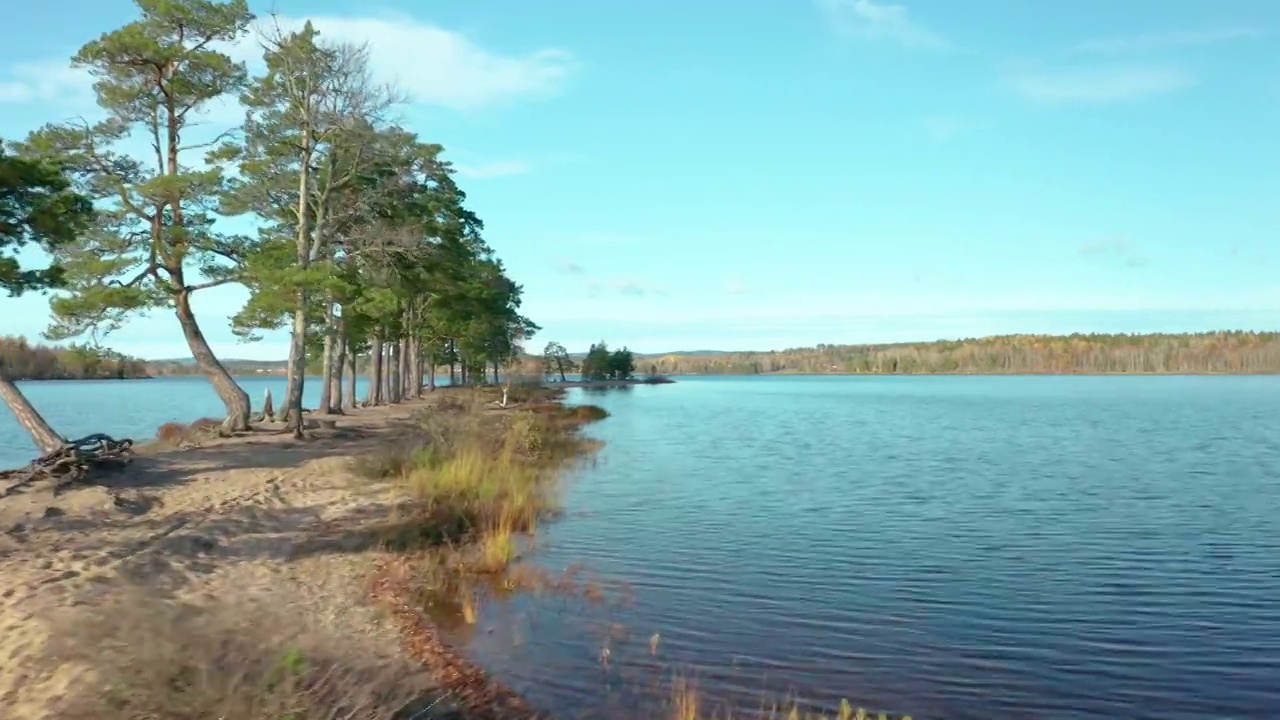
column 254, row 521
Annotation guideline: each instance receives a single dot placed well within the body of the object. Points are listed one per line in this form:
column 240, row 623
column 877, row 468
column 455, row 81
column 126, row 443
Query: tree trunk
column 297, row 366
column 375, row 377
column 233, row 396
column 393, row 376
column 431, row 371
column 453, row 358
column 419, row 371
column 351, row 382
column 326, row 404
column 415, row 369
column 384, row 388
column 45, row 437
column 406, row 369
column 496, row 379
column 334, row 380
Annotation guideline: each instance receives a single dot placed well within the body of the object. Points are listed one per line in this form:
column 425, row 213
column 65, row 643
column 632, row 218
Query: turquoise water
column 130, row 408
column 950, row 547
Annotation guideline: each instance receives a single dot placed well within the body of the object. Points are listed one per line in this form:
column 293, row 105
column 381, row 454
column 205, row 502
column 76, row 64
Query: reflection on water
column 951, row 547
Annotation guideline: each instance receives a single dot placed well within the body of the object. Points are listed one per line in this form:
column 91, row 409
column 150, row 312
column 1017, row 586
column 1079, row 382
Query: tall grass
column 480, row 481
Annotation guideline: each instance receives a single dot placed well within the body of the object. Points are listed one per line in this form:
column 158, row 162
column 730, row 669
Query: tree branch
column 206, row 285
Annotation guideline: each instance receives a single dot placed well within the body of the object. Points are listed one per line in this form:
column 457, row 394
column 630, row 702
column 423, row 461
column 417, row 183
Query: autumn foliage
column 1209, row 352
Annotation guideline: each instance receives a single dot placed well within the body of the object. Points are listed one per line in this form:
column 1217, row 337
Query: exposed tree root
column 72, row 463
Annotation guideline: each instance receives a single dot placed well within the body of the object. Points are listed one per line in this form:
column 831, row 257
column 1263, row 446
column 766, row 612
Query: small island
column 599, row 368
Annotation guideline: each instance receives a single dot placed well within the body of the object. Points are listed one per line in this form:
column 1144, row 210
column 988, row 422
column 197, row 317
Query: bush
column 176, row 433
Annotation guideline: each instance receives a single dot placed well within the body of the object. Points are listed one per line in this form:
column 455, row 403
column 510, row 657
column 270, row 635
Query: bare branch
column 209, row 284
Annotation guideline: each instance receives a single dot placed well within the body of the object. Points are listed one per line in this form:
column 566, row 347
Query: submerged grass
column 687, row 703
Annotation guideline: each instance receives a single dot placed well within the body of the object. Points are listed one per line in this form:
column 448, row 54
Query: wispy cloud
column 869, row 20
column 1151, row 42
column 569, row 267
column 497, row 169
column 46, row 82
column 1096, row 85
column 1118, row 248
column 735, row 287
column 632, row 288
column 431, row 65
column 625, row 287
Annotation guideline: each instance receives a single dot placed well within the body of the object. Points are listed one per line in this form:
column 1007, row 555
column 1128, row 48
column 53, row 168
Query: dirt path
column 262, row 518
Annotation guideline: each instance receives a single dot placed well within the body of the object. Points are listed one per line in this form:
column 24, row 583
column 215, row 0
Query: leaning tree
column 38, row 210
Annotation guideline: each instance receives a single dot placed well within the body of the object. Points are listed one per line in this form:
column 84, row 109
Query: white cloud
column 45, row 82
column 443, row 68
column 735, row 287
column 500, row 168
column 868, row 20
column 431, row 65
column 1166, row 40
column 1097, row 85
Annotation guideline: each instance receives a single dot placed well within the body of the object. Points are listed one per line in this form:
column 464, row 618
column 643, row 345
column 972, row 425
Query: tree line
column 25, row 361
column 362, row 245
column 1237, row 352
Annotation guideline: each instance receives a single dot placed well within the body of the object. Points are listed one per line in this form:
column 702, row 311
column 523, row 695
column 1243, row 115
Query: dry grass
column 479, row 480
column 477, row 484
column 175, row 434
column 234, row 660
column 687, row 703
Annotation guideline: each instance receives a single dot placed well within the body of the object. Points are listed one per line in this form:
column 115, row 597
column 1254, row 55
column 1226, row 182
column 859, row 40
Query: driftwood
column 72, row 463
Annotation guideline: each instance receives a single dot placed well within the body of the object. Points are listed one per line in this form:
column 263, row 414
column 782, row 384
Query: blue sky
column 765, row 174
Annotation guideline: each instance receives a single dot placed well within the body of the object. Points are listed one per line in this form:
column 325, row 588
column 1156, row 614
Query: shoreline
column 186, row 516
column 595, row 384
column 1072, row 373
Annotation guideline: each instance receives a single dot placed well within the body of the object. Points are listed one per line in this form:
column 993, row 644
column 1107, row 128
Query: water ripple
column 950, row 547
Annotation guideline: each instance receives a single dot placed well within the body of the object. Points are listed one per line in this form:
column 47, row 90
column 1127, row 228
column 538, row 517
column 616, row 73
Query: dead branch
column 72, row 463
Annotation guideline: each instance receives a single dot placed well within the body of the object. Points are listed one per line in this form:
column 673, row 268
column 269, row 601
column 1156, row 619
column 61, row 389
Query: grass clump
column 479, row 481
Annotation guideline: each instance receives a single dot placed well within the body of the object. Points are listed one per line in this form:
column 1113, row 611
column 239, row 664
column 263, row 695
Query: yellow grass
column 479, row 481
column 686, row 703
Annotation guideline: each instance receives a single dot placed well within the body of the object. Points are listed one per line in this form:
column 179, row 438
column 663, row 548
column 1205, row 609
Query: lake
column 131, row 408
column 950, row 547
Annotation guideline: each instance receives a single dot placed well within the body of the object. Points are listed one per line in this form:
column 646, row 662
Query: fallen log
column 74, row 462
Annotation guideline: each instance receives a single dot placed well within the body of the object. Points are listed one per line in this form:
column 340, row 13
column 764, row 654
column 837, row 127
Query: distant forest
column 235, row 367
column 1230, row 352
column 22, row 360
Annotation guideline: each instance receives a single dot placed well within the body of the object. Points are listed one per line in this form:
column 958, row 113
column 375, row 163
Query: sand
column 260, row 518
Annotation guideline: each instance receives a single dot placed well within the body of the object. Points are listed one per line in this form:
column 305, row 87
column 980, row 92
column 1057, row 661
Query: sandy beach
column 252, row 536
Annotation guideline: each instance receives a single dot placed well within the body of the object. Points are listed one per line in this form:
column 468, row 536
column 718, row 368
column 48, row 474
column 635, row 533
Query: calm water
column 951, row 547
column 129, row 408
